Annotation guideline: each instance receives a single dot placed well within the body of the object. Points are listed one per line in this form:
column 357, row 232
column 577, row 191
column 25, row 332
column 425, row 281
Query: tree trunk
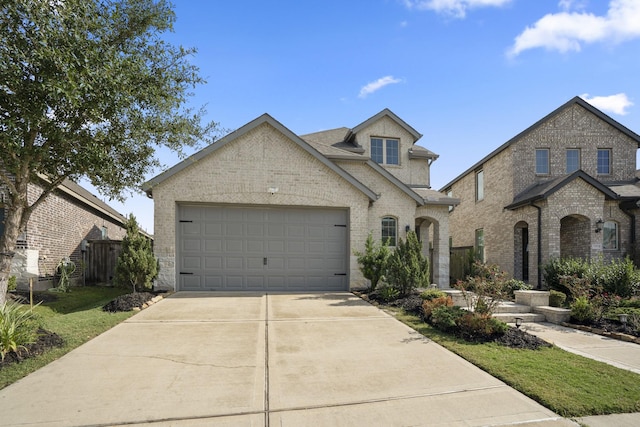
column 16, row 218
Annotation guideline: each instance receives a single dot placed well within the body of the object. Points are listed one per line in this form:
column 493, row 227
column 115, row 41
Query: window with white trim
column 479, row 185
column 385, row 151
column 389, row 230
column 479, row 244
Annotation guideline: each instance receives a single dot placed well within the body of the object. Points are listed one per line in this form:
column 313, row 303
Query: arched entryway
column 428, row 231
column 575, row 237
column 521, row 251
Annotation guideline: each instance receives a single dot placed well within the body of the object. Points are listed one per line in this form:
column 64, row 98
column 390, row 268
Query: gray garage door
column 258, row 248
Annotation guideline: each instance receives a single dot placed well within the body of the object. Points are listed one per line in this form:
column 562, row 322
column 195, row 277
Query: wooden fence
column 101, row 259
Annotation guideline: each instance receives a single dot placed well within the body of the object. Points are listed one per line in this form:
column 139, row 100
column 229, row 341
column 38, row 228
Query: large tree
column 88, row 88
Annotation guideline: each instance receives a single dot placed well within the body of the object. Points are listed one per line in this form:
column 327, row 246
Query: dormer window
column 385, row 151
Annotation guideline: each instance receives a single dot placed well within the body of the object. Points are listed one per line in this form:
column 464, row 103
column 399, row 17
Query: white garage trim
column 262, row 248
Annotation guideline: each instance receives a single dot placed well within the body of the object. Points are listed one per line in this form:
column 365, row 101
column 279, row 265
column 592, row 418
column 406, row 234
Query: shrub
column 513, row 285
column 617, row 277
column 582, row 310
column 407, row 268
column 557, row 298
column 631, row 303
column 373, row 261
column 446, row 318
column 432, row 293
column 430, row 304
column 18, row 327
column 389, row 293
column 136, row 266
column 486, row 289
column 12, row 283
column 480, row 327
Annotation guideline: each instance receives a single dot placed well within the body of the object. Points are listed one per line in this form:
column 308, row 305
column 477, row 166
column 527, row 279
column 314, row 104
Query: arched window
column 389, row 230
column 610, row 236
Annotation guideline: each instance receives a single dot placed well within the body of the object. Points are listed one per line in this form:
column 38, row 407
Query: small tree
column 373, row 261
column 136, row 266
column 407, row 268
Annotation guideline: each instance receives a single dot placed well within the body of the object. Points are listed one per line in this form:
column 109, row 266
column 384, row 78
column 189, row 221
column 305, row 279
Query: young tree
column 136, row 266
column 87, row 88
column 373, row 261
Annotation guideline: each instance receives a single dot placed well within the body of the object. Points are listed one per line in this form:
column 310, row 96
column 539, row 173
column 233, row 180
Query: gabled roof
column 386, row 112
column 575, row 100
column 543, row 190
column 395, row 181
column 265, row 118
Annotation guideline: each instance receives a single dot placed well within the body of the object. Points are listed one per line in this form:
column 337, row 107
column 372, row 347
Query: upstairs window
column 450, row 194
column 389, row 230
column 604, row 161
column 479, row 185
column 573, row 160
column 385, row 151
column 542, row 161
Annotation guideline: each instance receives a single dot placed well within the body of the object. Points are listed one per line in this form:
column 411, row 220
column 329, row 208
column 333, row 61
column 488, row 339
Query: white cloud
column 616, row 104
column 568, row 31
column 369, row 88
column 455, row 8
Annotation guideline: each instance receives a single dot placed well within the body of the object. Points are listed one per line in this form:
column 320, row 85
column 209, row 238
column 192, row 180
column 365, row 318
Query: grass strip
column 77, row 317
column 568, row 384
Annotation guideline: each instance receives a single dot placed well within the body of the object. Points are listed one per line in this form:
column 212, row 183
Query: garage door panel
column 213, row 262
column 234, row 245
column 191, row 245
column 234, row 263
column 224, row 248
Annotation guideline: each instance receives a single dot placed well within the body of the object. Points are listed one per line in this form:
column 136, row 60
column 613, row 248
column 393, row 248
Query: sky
column 467, row 74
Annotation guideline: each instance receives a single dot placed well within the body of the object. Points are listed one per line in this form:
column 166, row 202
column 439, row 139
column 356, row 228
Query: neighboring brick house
column 565, row 186
column 57, row 229
column 266, row 209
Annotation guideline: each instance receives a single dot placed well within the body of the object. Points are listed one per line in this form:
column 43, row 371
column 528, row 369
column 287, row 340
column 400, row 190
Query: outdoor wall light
column 623, row 319
column 599, row 224
column 407, row 228
column 519, row 322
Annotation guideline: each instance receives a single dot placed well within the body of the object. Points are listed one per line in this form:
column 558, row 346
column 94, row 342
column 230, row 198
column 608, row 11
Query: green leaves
column 136, row 266
column 18, row 327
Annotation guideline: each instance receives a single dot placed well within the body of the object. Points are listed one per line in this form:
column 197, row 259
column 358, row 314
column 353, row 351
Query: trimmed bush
column 446, row 318
column 431, row 294
column 513, row 285
column 407, row 268
column 582, row 310
column 557, row 298
column 373, row 261
column 429, row 305
column 136, row 266
column 480, row 327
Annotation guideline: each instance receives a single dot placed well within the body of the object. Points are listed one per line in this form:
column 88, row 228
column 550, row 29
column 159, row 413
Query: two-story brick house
column 565, row 186
column 266, row 209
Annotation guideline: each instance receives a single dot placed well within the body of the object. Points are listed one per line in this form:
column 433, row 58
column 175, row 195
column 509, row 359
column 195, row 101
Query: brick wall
column 56, row 229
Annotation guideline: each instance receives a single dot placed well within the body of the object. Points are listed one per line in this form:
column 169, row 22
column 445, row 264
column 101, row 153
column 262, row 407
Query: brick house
column 565, row 186
column 266, row 209
column 57, row 229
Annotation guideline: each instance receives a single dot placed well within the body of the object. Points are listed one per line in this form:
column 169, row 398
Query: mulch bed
column 46, row 341
column 412, row 303
column 49, row 340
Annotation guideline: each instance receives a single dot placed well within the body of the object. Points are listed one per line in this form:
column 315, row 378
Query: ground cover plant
column 67, row 320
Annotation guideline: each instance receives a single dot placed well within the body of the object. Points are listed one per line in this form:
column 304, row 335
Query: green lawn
column 77, row 317
column 568, row 384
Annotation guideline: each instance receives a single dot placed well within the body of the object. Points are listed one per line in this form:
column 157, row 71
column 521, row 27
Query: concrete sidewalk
column 621, row 354
column 260, row 360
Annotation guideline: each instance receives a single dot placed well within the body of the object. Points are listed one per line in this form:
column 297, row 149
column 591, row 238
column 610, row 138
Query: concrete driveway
column 259, row 360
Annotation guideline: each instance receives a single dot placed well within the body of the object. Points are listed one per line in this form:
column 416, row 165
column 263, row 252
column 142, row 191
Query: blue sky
column 467, row 74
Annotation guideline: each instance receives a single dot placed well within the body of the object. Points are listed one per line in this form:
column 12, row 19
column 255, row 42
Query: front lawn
column 76, row 317
column 568, row 384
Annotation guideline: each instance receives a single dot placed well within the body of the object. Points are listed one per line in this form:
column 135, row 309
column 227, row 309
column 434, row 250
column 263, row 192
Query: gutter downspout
column 539, row 243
